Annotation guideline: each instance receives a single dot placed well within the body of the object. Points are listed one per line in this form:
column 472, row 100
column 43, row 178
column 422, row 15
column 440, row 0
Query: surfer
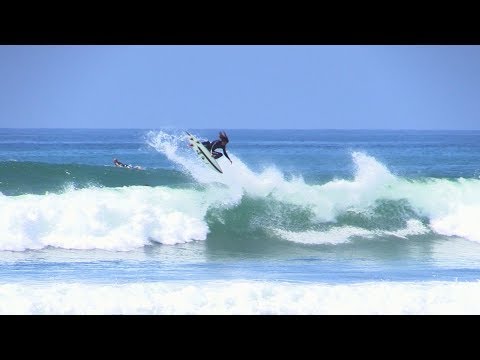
column 221, row 143
column 118, row 163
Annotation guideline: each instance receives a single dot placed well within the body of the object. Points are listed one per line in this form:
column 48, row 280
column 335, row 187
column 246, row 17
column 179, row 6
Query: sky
column 240, row 86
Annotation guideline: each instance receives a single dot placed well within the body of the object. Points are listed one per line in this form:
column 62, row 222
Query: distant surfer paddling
column 120, row 164
column 221, row 143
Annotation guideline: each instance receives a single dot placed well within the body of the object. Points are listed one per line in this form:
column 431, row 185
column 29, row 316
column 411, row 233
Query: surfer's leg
column 216, row 154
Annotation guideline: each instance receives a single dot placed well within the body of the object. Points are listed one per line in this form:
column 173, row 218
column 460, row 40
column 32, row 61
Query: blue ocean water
column 302, row 222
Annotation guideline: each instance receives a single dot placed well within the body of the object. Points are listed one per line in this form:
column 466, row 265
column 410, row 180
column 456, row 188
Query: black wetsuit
column 212, row 146
column 118, row 163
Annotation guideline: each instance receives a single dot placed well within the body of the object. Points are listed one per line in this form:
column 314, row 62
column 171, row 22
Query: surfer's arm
column 226, row 155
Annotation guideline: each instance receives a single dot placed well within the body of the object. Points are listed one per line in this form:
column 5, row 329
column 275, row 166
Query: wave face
column 253, row 207
column 20, row 178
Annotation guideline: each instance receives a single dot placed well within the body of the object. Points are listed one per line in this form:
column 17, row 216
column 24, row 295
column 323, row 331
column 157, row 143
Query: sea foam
column 242, row 297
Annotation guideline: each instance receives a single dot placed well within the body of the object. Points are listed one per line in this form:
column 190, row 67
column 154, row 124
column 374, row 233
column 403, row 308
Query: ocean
column 302, row 222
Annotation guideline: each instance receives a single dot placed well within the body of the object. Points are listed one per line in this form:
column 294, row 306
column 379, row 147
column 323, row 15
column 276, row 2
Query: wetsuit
column 212, row 146
column 118, row 163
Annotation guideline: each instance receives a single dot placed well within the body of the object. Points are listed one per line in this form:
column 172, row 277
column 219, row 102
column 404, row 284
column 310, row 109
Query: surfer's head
column 223, row 136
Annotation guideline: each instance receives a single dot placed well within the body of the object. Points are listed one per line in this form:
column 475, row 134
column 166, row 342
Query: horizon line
column 263, row 129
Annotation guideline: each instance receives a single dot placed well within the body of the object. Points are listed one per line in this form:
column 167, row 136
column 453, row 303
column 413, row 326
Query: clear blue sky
column 240, row 87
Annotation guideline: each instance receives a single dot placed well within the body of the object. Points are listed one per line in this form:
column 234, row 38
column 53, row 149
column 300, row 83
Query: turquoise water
column 303, row 221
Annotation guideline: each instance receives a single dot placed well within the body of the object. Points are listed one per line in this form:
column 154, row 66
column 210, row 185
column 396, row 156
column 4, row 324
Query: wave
column 238, row 209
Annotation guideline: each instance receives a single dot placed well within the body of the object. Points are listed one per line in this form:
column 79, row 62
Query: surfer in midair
column 221, row 143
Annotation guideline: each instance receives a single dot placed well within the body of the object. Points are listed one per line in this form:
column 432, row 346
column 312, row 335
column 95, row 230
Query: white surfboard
column 203, row 152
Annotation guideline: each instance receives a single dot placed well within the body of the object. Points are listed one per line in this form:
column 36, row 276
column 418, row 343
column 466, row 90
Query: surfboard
column 203, row 153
